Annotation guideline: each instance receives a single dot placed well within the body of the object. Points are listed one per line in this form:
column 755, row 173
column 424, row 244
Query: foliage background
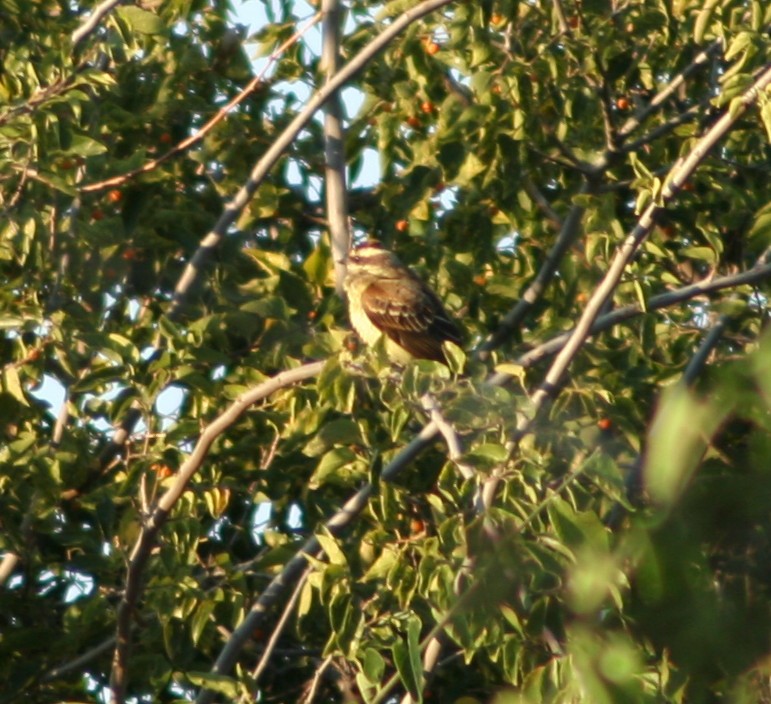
column 624, row 555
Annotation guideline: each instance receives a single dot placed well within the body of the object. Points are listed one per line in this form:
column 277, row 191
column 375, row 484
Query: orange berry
column 497, row 18
column 574, row 21
column 604, row 423
column 115, row 195
column 162, row 470
column 622, row 103
column 97, row 214
column 417, row 525
column 427, row 107
column 432, row 48
column 402, row 225
column 480, row 279
column 165, row 138
column 413, row 121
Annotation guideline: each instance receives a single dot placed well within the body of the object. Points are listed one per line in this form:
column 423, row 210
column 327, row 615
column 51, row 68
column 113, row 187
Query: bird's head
column 372, row 259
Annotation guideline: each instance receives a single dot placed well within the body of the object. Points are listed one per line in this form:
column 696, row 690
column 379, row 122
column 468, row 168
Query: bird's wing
column 410, row 314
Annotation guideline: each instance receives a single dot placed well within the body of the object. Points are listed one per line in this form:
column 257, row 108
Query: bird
column 387, row 298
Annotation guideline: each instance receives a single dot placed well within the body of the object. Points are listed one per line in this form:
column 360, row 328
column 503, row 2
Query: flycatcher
column 387, row 298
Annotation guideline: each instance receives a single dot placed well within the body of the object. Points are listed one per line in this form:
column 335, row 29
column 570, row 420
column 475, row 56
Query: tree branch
column 662, row 96
column 141, row 551
column 334, row 141
column 93, row 20
column 79, row 661
column 568, row 234
column 278, row 630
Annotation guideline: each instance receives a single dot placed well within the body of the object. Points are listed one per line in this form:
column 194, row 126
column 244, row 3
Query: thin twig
column 699, row 359
column 278, row 630
column 540, row 200
column 79, row 661
column 454, row 450
column 568, row 234
column 220, row 115
column 666, row 127
column 310, row 695
column 570, row 226
column 668, row 91
column 297, row 564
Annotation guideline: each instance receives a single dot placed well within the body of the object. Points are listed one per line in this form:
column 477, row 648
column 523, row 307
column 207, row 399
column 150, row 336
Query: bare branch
column 540, row 200
column 278, row 630
column 667, row 126
column 761, row 272
column 334, row 141
column 708, row 344
column 79, row 661
column 232, row 210
column 454, row 450
column 662, row 96
column 568, row 234
column 141, row 551
column 295, row 567
column 311, row 693
column 90, row 25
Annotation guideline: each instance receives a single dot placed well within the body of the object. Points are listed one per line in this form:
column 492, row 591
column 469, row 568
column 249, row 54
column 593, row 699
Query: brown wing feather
column 412, row 316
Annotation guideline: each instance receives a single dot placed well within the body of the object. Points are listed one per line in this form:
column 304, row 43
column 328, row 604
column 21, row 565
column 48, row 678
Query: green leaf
column 222, row 684
column 342, row 431
column 140, row 20
column 372, row 665
column 406, row 654
column 201, row 619
column 331, row 546
column 765, row 115
column 382, row 566
column 676, row 441
column 12, row 384
column 576, row 528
